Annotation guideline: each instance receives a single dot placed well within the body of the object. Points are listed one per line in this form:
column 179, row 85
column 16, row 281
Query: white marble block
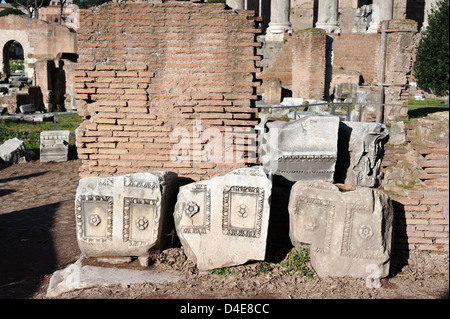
column 223, row 221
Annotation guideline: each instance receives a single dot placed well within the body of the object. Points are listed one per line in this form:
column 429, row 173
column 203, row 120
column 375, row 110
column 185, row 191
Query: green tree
column 29, row 7
column 431, row 68
column 9, row 11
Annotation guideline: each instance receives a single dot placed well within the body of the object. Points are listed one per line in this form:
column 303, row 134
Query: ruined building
column 47, row 52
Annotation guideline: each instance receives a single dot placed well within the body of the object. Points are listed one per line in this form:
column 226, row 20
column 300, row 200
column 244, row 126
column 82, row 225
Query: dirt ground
column 37, row 237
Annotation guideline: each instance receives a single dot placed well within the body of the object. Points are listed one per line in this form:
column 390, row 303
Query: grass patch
column 222, row 271
column 29, row 133
column 297, row 262
column 425, row 107
column 430, row 102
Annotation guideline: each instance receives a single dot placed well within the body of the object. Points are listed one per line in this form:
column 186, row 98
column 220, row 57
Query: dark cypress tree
column 431, row 68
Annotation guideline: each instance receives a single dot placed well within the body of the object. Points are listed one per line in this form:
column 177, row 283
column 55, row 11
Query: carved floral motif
column 191, row 209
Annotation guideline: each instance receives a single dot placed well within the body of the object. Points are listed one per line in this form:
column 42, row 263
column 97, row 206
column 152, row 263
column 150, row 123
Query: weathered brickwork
column 281, row 65
column 300, row 64
column 357, row 52
column 146, row 69
column 421, row 191
column 308, row 64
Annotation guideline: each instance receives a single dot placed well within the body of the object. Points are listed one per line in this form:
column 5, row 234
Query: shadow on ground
column 27, row 250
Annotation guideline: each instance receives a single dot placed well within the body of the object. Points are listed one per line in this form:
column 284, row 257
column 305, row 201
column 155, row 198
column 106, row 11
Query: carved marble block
column 54, row 146
column 304, row 149
column 361, row 150
column 13, row 151
column 125, row 215
column 350, row 232
column 223, row 221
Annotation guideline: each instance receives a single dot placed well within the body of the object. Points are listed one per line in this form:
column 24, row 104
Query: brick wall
column 308, row 64
column 155, row 77
column 300, row 64
column 357, row 52
column 352, row 52
column 281, row 65
column 420, row 184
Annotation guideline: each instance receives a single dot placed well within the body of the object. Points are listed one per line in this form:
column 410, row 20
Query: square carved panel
column 242, row 211
column 94, row 215
column 197, row 211
column 140, row 221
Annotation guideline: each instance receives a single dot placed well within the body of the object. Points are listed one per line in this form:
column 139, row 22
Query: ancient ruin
column 172, row 87
column 153, row 77
column 223, row 221
column 174, row 91
column 304, row 149
column 54, row 146
column 127, row 215
column 46, row 54
column 13, row 151
column 361, row 150
column 348, row 230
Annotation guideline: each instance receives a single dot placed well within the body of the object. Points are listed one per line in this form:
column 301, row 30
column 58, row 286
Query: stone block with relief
column 223, row 221
column 349, row 230
column 54, row 146
column 304, row 149
column 125, row 215
column 13, row 151
column 360, row 153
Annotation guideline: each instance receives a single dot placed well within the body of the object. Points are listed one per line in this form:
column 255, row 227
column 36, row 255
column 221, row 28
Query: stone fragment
column 361, row 151
column 397, row 133
column 350, row 231
column 54, row 146
column 223, row 221
column 367, row 103
column 125, row 215
column 345, row 92
column 76, row 276
column 27, row 108
column 13, row 151
column 303, row 149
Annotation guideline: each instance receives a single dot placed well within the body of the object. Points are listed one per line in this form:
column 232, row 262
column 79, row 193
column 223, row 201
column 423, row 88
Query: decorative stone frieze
column 54, row 146
column 223, row 221
column 125, row 215
column 304, row 149
column 349, row 231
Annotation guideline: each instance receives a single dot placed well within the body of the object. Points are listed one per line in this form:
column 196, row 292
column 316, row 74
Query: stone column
column 236, row 4
column 428, row 5
column 381, row 10
column 328, row 16
column 279, row 20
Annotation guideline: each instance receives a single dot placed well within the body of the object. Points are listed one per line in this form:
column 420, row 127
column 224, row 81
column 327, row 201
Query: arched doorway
column 13, row 59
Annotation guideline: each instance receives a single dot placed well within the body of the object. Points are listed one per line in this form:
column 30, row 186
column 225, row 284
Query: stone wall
column 417, row 179
column 353, row 58
column 400, row 45
column 160, row 83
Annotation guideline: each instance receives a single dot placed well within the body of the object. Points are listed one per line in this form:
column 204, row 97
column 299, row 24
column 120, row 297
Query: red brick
column 148, row 89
